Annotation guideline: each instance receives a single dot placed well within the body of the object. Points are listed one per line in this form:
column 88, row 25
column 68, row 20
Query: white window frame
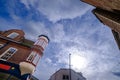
column 41, row 43
column 33, row 57
column 36, row 59
column 44, row 44
column 13, row 35
column 8, row 55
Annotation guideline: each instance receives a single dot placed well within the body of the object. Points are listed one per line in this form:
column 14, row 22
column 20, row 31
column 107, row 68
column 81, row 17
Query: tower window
column 7, row 54
column 42, row 43
column 33, row 57
column 65, row 77
column 13, row 35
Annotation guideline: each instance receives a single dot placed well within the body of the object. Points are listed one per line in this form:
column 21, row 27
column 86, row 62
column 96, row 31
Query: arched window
column 13, row 35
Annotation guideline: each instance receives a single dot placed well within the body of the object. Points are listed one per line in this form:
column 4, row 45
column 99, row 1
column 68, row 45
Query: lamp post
column 70, row 66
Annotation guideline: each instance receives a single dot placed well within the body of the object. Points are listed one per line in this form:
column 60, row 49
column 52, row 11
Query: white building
column 64, row 74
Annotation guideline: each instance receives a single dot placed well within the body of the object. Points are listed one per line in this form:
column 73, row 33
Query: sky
column 72, row 29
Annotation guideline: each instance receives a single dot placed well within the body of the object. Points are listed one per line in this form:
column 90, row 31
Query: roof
column 27, row 42
column 79, row 73
column 23, row 41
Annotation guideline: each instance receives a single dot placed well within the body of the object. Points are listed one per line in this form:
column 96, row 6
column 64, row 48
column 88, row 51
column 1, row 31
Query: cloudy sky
column 72, row 29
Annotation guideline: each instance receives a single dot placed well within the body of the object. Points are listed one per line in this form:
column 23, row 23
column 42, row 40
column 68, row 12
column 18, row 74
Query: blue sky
column 72, row 28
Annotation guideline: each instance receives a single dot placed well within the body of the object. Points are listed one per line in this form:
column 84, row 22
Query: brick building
column 19, row 56
column 109, row 5
column 108, row 12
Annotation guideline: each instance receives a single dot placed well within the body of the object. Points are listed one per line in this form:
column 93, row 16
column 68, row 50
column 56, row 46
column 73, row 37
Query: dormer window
column 13, row 35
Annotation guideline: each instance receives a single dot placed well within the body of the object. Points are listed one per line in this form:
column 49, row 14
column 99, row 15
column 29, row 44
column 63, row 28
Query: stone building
column 108, row 12
column 66, row 74
column 19, row 56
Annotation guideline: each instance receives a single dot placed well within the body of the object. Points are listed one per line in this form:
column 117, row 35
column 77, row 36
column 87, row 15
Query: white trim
column 7, row 54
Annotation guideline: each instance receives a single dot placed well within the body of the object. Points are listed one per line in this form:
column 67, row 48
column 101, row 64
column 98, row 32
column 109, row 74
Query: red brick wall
column 21, row 54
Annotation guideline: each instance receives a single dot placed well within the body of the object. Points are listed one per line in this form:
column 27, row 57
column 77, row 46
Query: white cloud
column 59, row 9
column 89, row 39
column 48, row 60
column 58, row 34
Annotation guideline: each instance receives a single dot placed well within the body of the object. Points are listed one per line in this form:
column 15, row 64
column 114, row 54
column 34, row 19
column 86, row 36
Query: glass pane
column 13, row 35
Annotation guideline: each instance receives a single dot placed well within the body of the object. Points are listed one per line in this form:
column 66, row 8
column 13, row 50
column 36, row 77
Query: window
column 65, row 77
column 36, row 59
column 1, row 45
column 44, row 44
column 13, row 35
column 7, row 54
column 33, row 57
column 41, row 42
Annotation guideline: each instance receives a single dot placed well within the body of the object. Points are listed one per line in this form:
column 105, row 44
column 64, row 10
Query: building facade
column 110, row 5
column 110, row 19
column 67, row 74
column 108, row 12
column 19, row 56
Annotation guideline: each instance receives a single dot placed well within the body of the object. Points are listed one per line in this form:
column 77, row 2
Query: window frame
column 8, row 54
column 12, row 35
column 33, row 57
column 42, row 42
column 65, row 77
